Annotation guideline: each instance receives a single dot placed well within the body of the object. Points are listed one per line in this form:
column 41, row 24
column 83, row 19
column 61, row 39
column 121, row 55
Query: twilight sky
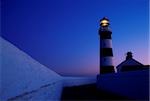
column 63, row 34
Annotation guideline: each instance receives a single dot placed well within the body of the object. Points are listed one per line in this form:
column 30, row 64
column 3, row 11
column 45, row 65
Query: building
column 130, row 64
column 106, row 53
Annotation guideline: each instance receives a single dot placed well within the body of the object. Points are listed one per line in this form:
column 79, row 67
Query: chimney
column 129, row 55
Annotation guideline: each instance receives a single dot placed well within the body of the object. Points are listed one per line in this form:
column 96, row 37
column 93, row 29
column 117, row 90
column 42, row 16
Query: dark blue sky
column 63, row 34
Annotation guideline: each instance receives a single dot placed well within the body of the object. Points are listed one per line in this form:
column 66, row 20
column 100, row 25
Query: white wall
column 23, row 78
column 133, row 84
column 20, row 74
column 46, row 93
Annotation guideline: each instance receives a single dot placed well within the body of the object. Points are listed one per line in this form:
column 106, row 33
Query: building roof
column 129, row 63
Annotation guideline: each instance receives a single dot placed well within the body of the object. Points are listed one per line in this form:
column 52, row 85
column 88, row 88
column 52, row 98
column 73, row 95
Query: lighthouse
column 106, row 52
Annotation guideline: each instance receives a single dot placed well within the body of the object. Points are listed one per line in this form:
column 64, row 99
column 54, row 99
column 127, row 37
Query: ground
column 88, row 92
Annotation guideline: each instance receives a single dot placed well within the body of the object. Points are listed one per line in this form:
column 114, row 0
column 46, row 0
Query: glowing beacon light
column 104, row 22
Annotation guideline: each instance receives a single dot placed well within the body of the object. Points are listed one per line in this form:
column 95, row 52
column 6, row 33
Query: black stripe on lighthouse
column 107, row 69
column 106, row 52
column 106, row 61
column 105, row 34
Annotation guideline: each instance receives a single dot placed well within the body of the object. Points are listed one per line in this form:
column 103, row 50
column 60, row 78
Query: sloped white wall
column 23, row 78
column 22, row 75
column 51, row 92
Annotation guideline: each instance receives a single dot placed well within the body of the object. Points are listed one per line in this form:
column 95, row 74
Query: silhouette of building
column 130, row 64
column 106, row 53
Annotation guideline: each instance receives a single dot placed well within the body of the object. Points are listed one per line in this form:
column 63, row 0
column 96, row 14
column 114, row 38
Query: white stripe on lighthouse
column 106, row 61
column 106, row 43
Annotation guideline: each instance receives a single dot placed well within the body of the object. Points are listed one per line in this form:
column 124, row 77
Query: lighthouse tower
column 106, row 53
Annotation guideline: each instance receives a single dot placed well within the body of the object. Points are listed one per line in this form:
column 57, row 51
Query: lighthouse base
column 107, row 69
